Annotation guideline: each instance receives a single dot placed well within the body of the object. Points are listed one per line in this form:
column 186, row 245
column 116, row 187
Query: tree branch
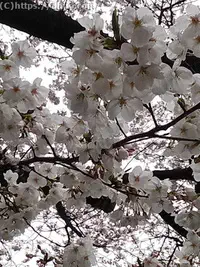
column 168, row 219
column 151, row 133
column 67, row 219
column 175, row 174
column 48, row 160
column 39, row 21
column 149, row 108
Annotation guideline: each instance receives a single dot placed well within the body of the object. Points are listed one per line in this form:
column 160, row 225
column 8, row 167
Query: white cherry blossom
column 143, row 76
column 188, row 219
column 105, row 91
column 138, row 178
column 11, row 177
column 182, row 79
column 15, row 90
column 23, row 54
column 8, row 69
column 196, row 171
column 137, row 25
column 36, row 180
column 185, row 129
column 124, row 106
column 93, row 25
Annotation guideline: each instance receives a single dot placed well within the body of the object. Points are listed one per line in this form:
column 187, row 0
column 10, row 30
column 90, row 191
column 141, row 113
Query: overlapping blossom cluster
column 106, row 88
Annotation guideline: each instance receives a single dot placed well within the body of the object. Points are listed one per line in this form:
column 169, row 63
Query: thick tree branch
column 39, row 21
column 55, row 26
column 168, row 219
column 175, row 174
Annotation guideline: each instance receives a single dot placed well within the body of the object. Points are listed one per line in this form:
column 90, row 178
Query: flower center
column 143, row 71
column 195, row 20
column 137, row 178
column 80, row 96
column 111, row 84
column 132, row 85
column 76, row 71
column 137, row 22
column 122, row 102
column 197, row 39
column 98, row 75
column 91, row 52
column 34, row 91
column 16, row 89
column 92, row 32
column 135, row 49
column 20, row 54
column 7, row 67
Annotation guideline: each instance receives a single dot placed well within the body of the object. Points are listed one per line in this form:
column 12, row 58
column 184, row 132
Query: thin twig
column 49, row 144
column 134, row 156
column 149, row 108
column 176, row 138
column 42, row 235
column 118, row 124
column 156, row 129
column 171, row 256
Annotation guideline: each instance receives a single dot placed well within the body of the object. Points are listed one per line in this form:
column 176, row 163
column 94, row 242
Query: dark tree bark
column 39, row 21
column 173, row 175
column 168, row 219
column 55, row 26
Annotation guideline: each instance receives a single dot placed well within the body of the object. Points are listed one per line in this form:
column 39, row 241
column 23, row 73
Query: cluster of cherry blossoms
column 119, row 82
column 105, row 88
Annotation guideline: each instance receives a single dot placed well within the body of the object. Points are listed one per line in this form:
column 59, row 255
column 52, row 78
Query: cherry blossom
column 143, row 76
column 11, row 177
column 36, row 180
column 138, row 25
column 152, row 262
column 182, row 79
column 93, row 25
column 138, row 178
column 8, row 69
column 196, row 171
column 188, row 219
column 82, row 154
column 14, row 91
column 23, row 54
column 124, row 106
column 48, row 170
